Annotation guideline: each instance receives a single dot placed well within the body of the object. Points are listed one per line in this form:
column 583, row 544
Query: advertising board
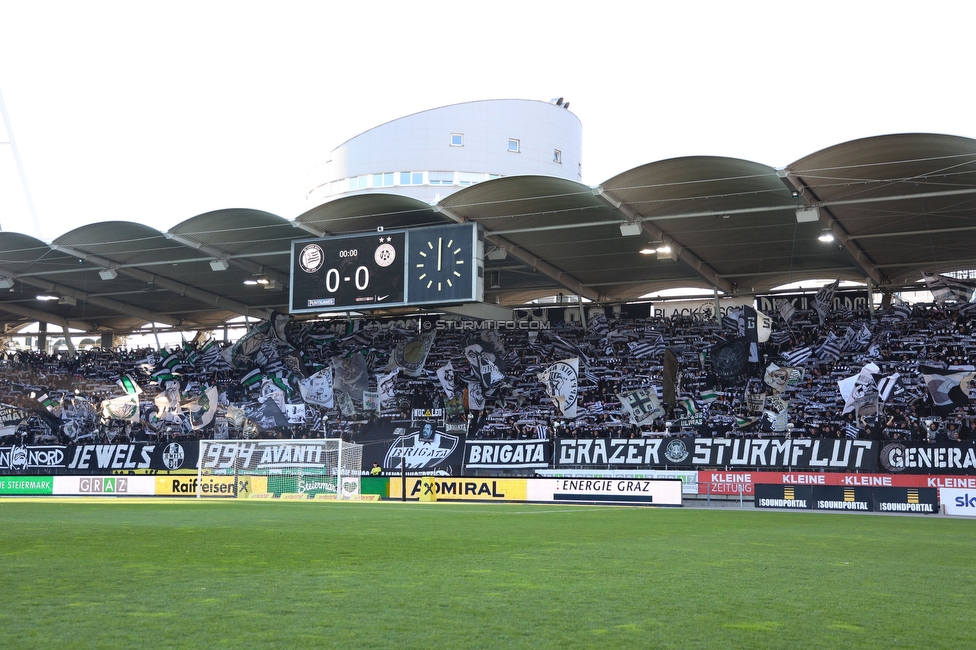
column 26, row 485
column 104, row 485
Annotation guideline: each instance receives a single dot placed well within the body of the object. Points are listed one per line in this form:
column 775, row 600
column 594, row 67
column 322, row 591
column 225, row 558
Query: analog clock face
column 440, row 264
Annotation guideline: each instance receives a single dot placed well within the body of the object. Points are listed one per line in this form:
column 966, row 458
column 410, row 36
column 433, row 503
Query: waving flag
column 944, row 287
column 823, row 302
column 641, row 406
column 561, row 381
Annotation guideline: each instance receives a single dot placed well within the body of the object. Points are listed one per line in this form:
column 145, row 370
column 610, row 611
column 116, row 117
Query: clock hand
column 440, row 246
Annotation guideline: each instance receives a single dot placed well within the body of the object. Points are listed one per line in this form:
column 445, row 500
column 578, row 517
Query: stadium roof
column 897, row 205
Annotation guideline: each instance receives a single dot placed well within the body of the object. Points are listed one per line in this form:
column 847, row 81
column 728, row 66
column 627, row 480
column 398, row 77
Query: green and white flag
column 125, row 407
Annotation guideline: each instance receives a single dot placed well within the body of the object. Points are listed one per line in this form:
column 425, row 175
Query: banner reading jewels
column 98, row 459
column 849, row 455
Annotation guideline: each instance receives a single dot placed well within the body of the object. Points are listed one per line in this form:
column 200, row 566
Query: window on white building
column 557, row 156
column 411, row 178
column 440, row 178
column 469, row 178
column 383, row 180
column 513, row 145
column 457, row 139
column 358, row 182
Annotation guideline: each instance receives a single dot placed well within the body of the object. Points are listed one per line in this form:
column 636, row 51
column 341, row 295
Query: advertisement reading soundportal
column 853, row 499
column 98, row 459
column 850, row 455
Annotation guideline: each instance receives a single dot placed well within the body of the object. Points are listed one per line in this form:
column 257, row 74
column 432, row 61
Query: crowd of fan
column 516, row 406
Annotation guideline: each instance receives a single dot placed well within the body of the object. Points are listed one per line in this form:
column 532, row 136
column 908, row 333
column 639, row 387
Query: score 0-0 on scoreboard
column 416, row 267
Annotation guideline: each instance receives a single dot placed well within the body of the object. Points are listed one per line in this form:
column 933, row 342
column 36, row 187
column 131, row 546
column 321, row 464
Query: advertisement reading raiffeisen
column 211, row 486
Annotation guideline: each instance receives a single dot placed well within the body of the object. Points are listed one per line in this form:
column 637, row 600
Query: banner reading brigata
column 98, row 459
column 849, row 455
column 507, row 454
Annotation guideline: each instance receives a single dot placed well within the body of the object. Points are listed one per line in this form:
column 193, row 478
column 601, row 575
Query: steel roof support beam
column 540, row 265
column 47, row 317
column 201, row 295
column 108, row 303
column 239, row 262
column 829, row 219
column 699, row 265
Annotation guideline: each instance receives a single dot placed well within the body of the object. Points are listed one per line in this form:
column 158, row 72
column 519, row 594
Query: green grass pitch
column 258, row 574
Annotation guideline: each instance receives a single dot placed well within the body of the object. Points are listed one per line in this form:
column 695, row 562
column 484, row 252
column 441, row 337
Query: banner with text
column 850, row 455
column 507, row 454
column 98, row 459
column 854, row 499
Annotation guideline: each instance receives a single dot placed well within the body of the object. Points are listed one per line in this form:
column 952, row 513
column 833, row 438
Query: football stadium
column 465, row 400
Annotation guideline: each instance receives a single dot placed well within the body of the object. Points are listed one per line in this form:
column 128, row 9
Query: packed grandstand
column 900, row 374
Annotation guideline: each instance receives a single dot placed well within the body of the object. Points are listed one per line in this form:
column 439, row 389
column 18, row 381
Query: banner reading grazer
column 506, row 454
column 851, row 455
column 98, row 459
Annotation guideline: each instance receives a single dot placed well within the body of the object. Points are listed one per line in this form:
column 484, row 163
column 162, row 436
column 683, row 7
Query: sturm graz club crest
column 422, row 449
column 676, row 451
column 311, row 258
column 173, row 456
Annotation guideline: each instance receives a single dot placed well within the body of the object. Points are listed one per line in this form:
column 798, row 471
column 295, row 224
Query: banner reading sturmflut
column 849, row 455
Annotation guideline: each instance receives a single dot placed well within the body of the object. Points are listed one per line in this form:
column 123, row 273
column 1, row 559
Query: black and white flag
column 445, row 375
column 799, row 356
column 830, row 349
column 561, row 381
column 785, row 309
column 641, row 406
column 944, row 287
column 824, row 300
column 652, row 346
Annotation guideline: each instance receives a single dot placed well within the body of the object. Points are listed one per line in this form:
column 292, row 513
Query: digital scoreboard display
column 422, row 266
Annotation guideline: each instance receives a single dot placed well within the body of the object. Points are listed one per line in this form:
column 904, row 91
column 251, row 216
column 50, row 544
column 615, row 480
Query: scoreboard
column 416, row 267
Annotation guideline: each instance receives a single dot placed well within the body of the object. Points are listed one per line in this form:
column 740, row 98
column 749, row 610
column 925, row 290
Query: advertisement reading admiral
column 99, row 459
column 847, row 455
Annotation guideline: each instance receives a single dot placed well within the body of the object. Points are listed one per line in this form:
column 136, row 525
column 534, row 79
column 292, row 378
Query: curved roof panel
column 896, row 204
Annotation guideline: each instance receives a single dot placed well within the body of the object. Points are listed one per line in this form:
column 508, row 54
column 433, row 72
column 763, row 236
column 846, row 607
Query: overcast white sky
column 159, row 111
